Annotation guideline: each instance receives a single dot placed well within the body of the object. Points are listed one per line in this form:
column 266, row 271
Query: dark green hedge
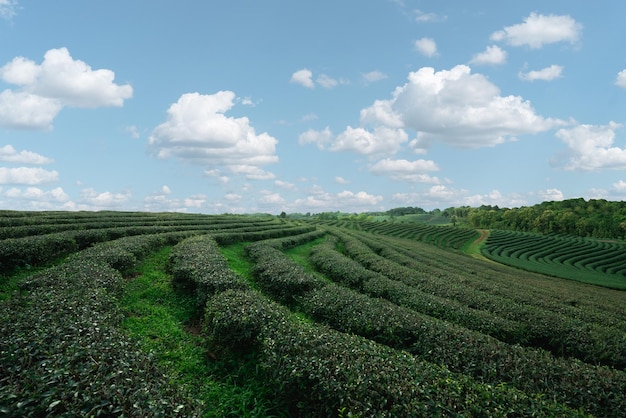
column 62, row 353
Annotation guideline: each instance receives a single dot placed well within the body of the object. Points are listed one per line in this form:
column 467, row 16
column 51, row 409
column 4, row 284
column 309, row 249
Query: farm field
column 145, row 314
column 594, row 261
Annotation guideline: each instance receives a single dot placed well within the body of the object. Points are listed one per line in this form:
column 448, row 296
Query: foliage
column 593, row 218
column 62, row 352
column 586, row 260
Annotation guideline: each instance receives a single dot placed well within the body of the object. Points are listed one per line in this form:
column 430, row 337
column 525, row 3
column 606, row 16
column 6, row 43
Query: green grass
column 300, row 254
column 236, row 256
column 166, row 324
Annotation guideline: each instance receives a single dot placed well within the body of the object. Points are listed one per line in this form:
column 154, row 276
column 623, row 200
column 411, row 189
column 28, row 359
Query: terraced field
column 588, row 260
column 262, row 316
column 441, row 236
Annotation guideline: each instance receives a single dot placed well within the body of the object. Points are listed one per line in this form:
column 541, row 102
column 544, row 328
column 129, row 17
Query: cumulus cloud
column 374, row 76
column 538, row 30
column 320, row 138
column 59, row 81
column 268, row 198
column 493, row 55
column 303, row 77
column 590, row 147
column 36, row 194
column 410, row 171
column 27, row 175
column 198, row 131
column 379, row 142
column 621, row 79
column 551, row 195
column 546, row 74
column 620, row 186
column 451, row 106
column 285, row 185
column 426, row 46
column 461, row 109
column 326, row 81
column 341, row 180
column 440, row 196
column 319, row 200
column 11, row 155
column 99, row 200
column 23, row 110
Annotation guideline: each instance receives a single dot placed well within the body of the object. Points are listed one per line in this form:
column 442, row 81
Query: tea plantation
column 162, row 314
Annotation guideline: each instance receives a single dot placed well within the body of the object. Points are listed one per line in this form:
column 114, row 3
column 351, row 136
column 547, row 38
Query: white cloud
column 619, row 186
column 27, row 175
column 460, row 108
column 57, row 82
column 424, row 17
column 381, row 113
column 426, row 46
column 374, row 76
column 621, row 79
column 450, row 106
column 270, row 199
column 198, row 131
column 539, row 30
column 493, row 55
column 379, row 142
column 156, row 202
column 441, row 196
column 341, row 180
column 133, row 131
column 285, row 185
column 233, row 197
column 303, row 77
column 410, row 171
column 326, row 81
column 10, row 154
column 321, row 138
column 347, row 201
column 7, row 8
column 23, row 110
column 590, row 147
column 96, row 200
column 37, row 194
column 546, row 74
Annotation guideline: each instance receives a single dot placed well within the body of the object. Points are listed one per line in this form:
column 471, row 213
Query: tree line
column 596, row 218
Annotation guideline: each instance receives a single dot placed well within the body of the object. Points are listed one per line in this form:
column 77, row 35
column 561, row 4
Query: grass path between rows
column 166, row 324
column 473, row 248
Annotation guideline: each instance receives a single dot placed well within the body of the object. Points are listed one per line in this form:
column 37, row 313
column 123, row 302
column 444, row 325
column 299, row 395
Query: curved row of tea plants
column 61, row 351
column 561, row 334
column 583, row 259
column 461, row 350
column 318, row 371
column 440, row 236
column 37, row 250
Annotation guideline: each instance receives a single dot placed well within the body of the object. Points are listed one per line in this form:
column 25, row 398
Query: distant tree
column 283, row 214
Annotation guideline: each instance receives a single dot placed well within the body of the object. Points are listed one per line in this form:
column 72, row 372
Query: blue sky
column 247, row 106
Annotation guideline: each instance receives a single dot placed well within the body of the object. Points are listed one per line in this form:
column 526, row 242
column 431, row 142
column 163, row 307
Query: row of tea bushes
column 596, row 389
column 322, row 372
column 500, row 281
column 351, row 273
column 62, row 353
column 555, row 332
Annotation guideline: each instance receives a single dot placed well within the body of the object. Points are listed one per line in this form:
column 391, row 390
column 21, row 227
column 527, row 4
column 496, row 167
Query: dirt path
column 474, row 248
